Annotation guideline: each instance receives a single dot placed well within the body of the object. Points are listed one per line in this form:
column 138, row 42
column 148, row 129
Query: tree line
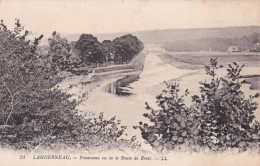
column 118, row 51
column 89, row 52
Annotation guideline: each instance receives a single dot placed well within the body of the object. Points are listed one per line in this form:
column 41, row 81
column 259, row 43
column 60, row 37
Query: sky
column 109, row 16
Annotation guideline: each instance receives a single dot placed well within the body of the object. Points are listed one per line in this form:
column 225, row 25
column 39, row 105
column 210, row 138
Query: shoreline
column 215, row 53
column 81, row 87
column 197, row 62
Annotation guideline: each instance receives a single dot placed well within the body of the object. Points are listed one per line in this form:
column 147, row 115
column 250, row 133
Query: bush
column 31, row 107
column 33, row 113
column 220, row 118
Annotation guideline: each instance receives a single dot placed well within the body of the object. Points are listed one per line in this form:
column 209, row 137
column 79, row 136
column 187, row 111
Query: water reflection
column 121, row 87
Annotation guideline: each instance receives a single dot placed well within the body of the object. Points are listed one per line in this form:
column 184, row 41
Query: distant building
column 232, row 49
column 256, row 47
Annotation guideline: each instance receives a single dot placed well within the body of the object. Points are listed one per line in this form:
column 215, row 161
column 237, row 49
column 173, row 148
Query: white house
column 232, row 49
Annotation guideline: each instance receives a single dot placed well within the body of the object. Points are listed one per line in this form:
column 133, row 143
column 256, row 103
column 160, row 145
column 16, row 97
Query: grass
column 255, row 83
column 197, row 60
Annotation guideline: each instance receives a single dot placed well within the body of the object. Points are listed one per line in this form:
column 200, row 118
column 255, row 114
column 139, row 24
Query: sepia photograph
column 130, row 82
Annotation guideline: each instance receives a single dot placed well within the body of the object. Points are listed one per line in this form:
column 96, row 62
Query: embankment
column 136, row 65
column 81, row 86
column 197, row 60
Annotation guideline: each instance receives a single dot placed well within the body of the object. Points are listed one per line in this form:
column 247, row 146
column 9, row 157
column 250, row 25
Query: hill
column 249, row 43
column 170, row 35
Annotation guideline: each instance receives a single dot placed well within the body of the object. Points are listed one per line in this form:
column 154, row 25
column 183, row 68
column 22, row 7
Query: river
column 125, row 97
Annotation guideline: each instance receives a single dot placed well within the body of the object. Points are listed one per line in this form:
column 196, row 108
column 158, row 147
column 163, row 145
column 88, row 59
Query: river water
column 125, row 98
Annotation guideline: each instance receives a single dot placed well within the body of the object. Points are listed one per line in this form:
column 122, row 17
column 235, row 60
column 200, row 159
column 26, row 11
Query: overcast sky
column 85, row 16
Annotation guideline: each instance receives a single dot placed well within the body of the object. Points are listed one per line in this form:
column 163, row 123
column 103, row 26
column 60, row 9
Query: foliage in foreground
column 219, row 119
column 33, row 113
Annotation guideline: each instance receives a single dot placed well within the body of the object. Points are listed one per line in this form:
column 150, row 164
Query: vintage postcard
column 130, row 82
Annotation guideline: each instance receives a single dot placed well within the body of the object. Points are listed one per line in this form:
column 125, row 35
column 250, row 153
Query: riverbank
column 81, row 86
column 196, row 63
column 197, row 60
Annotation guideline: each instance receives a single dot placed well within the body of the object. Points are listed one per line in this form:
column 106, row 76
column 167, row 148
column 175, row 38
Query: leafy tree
column 59, row 45
column 120, row 50
column 59, row 51
column 109, row 50
column 228, row 117
column 120, row 53
column 31, row 108
column 90, row 49
column 220, row 118
column 126, row 47
column 98, row 55
column 174, row 124
column 34, row 113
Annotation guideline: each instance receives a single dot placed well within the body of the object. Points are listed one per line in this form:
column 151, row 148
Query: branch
column 12, row 104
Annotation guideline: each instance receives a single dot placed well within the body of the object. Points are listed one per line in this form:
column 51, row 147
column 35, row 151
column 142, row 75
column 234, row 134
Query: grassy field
column 196, row 61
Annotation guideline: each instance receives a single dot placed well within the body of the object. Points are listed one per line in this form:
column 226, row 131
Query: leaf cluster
column 221, row 117
column 34, row 113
